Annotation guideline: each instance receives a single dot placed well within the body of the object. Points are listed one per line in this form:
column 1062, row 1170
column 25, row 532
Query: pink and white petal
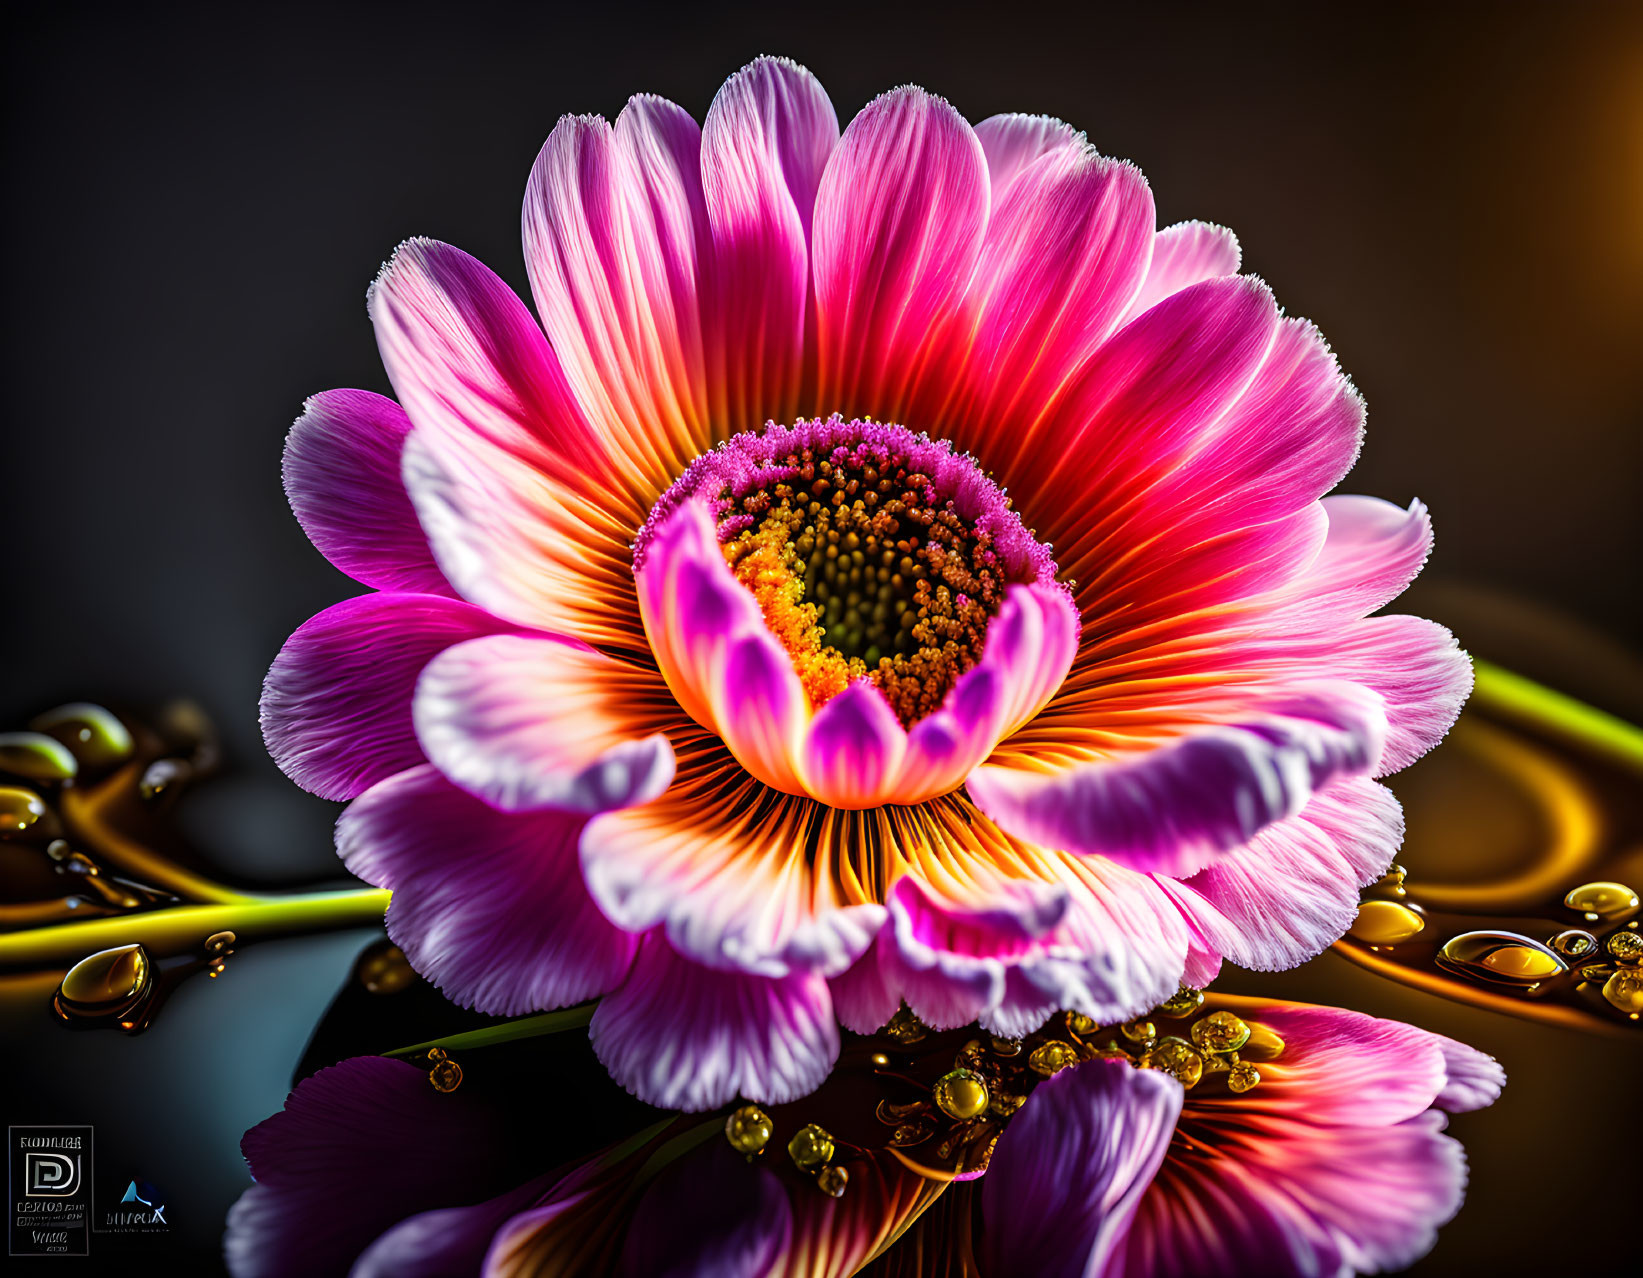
column 593, row 266
column 682, row 1036
column 864, row 999
column 1013, row 142
column 1066, row 249
column 489, row 906
column 1285, row 1199
column 1474, row 1080
column 342, row 476
column 1418, row 669
column 527, row 722
column 336, row 706
column 765, row 144
column 528, row 503
column 709, row 637
column 1183, row 255
column 853, row 750
column 1174, row 808
column 900, row 217
column 1292, row 890
column 1069, row 1171
column 1373, row 551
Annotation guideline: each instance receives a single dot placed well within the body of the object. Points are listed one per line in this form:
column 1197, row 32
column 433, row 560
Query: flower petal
column 527, row 722
column 1071, row 1168
column 682, row 1036
column 1012, row 142
column 711, row 1213
column 489, row 906
column 767, row 139
column 853, row 750
column 342, row 475
column 336, row 706
column 1183, row 255
column 899, row 222
column 1171, row 809
column 1373, row 551
column 1474, row 1080
column 1418, row 669
column 446, row 1240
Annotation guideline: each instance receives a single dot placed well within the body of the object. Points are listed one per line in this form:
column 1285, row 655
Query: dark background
column 197, row 198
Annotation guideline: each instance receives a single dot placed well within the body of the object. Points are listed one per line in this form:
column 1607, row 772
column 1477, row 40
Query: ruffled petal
column 527, row 502
column 766, row 141
column 1419, row 671
column 1172, row 809
column 1374, row 549
column 336, row 706
column 1183, row 255
column 1293, row 889
column 342, row 476
column 682, row 1036
column 900, row 217
column 527, row 722
column 1473, row 1080
column 489, row 906
column 358, row 1147
column 1071, row 1168
column 1012, row 142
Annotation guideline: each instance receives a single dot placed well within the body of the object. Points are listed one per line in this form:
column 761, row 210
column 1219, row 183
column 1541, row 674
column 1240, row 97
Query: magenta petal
column 446, row 1240
column 527, row 722
column 1183, row 255
column 336, row 706
column 1171, row 809
column 1474, row 1080
column 899, row 223
column 765, row 144
column 490, row 906
column 342, row 464
column 709, row 1215
column 1293, row 889
column 1071, row 1168
column 1013, row 142
column 1373, row 551
column 358, row 1147
column 682, row 1036
column 1418, row 669
column 854, row 749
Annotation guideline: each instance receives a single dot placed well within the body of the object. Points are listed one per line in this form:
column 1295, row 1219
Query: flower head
column 891, row 570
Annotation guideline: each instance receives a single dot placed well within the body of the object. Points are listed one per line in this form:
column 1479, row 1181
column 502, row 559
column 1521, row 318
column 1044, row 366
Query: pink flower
column 712, row 670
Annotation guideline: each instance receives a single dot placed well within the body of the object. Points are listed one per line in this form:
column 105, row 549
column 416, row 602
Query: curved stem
column 1598, row 730
column 525, row 1027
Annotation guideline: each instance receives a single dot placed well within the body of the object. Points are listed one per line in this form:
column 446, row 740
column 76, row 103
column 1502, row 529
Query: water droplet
column 1572, row 943
column 1263, row 1044
column 1627, row 947
column 1004, row 1104
column 911, row 1134
column 1601, row 900
column 878, row 1060
column 748, row 1130
column 220, row 943
column 810, row 1147
column 1597, row 973
column 1175, row 1057
column 19, row 809
column 1080, row 1024
column 109, row 983
column 446, row 1075
column 1184, row 1002
column 1625, row 990
column 1501, row 957
column 1220, row 1032
column 383, row 968
column 164, row 777
column 1143, row 1032
column 961, row 1094
column 1386, row 923
column 904, row 1027
column 832, row 1181
column 36, row 757
column 97, row 738
column 1242, row 1076
column 1006, row 1046
column 1049, row 1058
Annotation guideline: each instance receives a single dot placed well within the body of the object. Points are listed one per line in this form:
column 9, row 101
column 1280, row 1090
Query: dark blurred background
column 197, row 198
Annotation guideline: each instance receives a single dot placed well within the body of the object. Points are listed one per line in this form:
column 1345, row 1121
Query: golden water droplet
column 446, row 1075
column 1243, row 1076
column 1627, row 947
column 878, row 1060
column 384, row 969
column 220, row 943
column 891, row 1113
column 1600, row 900
column 749, row 1129
column 1220, row 1032
column 961, row 1094
column 1502, row 957
column 435, row 1054
column 1597, row 973
column 19, row 809
column 37, row 757
column 971, row 1054
column 911, row 1134
column 1572, row 943
column 1625, row 990
column 904, row 1027
column 1049, row 1058
column 1003, row 1104
column 1006, row 1046
column 832, row 1181
column 1263, row 1043
column 810, row 1147
column 1080, row 1024
column 96, row 737
column 109, row 983
column 1139, row 1031
column 1184, row 1002
column 1175, row 1057
column 1385, row 923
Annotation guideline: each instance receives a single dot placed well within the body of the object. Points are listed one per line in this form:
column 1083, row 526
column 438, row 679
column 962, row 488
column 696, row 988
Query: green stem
column 1500, row 689
column 525, row 1027
column 182, row 928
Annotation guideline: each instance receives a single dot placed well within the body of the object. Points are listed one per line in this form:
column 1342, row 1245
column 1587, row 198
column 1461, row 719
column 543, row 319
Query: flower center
column 872, row 551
